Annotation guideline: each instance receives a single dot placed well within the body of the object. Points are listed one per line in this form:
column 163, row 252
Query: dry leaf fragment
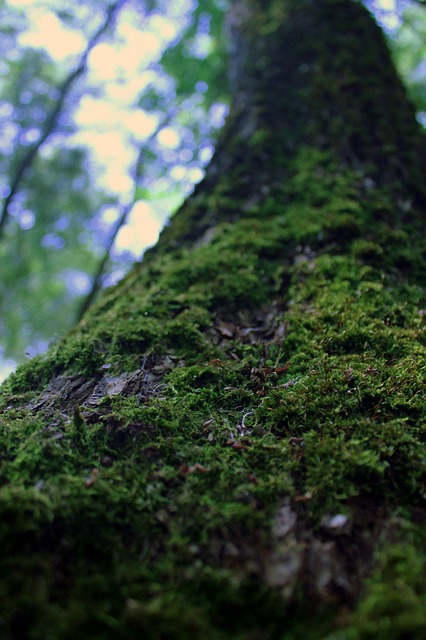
column 252, row 478
column 199, row 467
column 348, row 374
column 215, row 362
column 279, row 370
column 287, row 385
column 185, row 470
column 90, row 480
column 267, row 371
column 227, row 329
column 245, row 332
column 371, row 371
column 237, row 445
column 305, row 497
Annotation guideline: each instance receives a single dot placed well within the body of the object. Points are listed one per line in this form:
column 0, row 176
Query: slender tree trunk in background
column 124, row 210
column 230, row 443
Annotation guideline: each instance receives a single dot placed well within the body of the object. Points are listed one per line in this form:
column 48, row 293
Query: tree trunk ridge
column 232, row 438
column 320, row 77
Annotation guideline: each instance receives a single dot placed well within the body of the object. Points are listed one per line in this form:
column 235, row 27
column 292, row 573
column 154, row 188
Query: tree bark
column 230, row 442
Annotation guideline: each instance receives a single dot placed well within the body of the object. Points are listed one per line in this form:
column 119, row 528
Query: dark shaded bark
column 323, row 79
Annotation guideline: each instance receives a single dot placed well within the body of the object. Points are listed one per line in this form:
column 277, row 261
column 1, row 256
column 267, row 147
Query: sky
column 109, row 124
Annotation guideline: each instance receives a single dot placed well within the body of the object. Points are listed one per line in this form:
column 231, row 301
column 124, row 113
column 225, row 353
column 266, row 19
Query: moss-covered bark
column 231, row 445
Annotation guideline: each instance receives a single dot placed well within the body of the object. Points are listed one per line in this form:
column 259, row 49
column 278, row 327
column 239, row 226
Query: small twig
column 159, row 387
column 243, row 421
column 124, row 211
column 242, row 427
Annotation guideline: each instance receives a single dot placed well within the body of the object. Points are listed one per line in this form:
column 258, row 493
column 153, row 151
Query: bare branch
column 124, row 211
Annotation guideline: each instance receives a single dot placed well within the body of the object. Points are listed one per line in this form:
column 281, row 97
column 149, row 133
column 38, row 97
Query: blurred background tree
column 108, row 113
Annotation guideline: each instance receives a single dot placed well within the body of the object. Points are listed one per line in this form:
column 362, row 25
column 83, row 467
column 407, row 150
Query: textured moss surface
column 233, row 439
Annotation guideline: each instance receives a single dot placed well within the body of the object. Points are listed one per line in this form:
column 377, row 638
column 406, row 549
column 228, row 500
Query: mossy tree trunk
column 230, row 444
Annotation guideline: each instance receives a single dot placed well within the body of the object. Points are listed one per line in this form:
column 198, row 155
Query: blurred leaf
column 409, row 49
column 188, row 67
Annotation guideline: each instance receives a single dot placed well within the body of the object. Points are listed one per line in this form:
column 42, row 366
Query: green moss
column 188, row 476
column 393, row 605
column 280, row 361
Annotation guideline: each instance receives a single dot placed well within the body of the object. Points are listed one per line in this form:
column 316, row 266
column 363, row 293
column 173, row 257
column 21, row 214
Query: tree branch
column 53, row 117
column 124, row 211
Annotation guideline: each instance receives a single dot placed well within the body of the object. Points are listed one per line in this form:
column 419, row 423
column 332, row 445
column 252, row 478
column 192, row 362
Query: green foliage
column 44, row 248
column 40, row 263
column 408, row 46
column 201, row 54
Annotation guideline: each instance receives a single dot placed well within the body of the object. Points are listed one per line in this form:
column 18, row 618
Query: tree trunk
column 230, row 442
